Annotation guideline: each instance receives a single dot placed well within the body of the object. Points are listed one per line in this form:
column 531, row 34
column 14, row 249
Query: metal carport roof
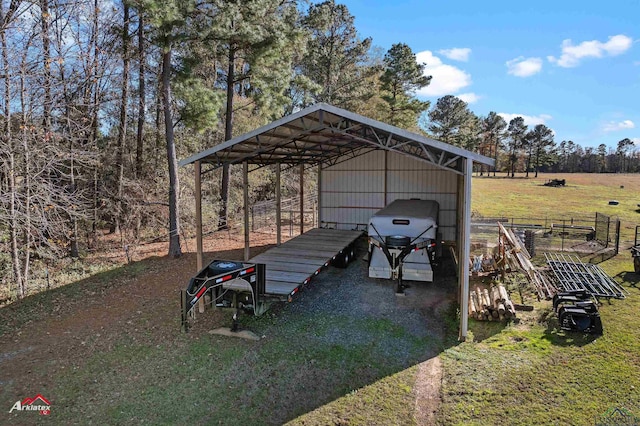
column 326, row 134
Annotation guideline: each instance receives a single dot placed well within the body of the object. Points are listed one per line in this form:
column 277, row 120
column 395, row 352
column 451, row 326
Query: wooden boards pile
column 515, row 255
column 491, row 304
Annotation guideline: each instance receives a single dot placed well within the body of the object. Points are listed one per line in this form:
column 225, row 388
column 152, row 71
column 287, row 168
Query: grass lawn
column 107, row 350
column 530, row 372
column 583, row 196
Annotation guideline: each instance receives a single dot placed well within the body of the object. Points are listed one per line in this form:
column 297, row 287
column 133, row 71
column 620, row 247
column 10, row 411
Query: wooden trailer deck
column 293, row 264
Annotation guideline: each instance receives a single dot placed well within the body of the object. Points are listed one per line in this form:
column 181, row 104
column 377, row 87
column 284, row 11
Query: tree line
column 99, row 98
column 518, row 148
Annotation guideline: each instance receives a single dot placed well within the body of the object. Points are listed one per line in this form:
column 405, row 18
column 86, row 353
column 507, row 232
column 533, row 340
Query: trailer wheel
column 397, row 240
column 636, row 264
column 341, row 260
column 345, row 259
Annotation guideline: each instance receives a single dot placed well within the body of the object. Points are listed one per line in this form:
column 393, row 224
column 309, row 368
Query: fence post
column 617, row 249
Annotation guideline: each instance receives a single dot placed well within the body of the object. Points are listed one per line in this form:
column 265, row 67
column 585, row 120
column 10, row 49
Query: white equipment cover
column 408, row 218
column 420, row 214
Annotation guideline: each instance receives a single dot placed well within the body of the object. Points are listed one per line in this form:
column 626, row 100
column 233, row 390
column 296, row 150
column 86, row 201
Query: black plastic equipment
column 577, row 312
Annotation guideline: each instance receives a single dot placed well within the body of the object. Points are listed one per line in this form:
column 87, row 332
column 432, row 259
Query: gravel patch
column 345, row 307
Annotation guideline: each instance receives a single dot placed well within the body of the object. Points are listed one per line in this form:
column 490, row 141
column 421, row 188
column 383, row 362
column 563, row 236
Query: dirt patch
column 427, row 389
column 66, row 331
column 344, row 321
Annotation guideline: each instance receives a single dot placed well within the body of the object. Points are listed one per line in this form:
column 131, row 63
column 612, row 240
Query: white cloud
column 470, row 98
column 613, row 126
column 636, row 141
column 572, row 54
column 521, row 67
column 446, row 79
column 456, row 54
column 529, row 120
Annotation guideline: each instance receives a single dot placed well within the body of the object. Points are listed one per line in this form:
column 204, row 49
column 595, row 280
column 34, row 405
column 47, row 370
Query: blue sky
column 571, row 65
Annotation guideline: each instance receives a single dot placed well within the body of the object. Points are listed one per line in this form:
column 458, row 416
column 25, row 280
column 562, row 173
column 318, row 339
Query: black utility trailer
column 275, row 275
column 635, row 252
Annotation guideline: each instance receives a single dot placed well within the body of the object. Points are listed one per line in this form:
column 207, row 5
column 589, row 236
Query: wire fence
column 263, row 214
column 583, row 235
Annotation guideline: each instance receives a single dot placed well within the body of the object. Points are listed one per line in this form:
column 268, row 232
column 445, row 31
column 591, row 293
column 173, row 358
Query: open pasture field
column 107, row 350
column 583, row 195
column 530, row 372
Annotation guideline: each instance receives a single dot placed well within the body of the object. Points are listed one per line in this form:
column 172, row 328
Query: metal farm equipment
column 577, row 312
column 635, row 252
column 230, row 284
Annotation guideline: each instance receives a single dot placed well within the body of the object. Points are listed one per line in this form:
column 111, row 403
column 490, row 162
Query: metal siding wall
column 353, row 191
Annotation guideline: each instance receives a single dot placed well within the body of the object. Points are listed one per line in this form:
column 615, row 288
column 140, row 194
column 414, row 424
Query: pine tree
column 169, row 18
column 541, row 145
column 336, row 59
column 401, row 78
column 256, row 41
column 516, row 131
column 493, row 127
column 451, row 121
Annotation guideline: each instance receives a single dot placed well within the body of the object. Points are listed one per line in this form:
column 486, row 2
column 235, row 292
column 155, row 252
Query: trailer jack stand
column 236, row 314
column 235, row 325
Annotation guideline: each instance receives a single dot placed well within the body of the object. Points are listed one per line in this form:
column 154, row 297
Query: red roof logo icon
column 38, row 399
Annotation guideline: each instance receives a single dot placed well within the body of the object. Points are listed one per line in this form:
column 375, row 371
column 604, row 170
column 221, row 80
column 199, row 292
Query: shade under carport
column 325, row 135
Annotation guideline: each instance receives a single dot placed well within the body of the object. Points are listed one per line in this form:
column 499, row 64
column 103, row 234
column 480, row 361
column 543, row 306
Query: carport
column 363, row 164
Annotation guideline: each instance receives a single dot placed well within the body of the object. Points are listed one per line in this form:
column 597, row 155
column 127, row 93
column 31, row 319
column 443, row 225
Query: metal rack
column 572, row 274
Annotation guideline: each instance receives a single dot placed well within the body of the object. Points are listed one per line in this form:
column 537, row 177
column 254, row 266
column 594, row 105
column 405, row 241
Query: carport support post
column 466, row 249
column 198, row 194
column 319, row 195
column 301, row 199
column 245, row 181
column 278, row 207
column 198, row 191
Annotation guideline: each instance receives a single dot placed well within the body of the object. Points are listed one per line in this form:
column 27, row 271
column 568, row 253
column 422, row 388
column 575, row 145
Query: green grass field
column 583, row 196
column 107, row 350
column 530, row 372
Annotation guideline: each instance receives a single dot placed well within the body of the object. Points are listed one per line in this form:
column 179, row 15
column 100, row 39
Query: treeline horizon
column 98, row 100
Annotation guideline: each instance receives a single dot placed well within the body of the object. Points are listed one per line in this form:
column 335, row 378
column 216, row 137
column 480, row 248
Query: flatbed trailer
column 275, row 275
column 294, row 263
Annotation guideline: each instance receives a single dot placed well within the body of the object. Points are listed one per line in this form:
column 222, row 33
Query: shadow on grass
column 564, row 338
column 344, row 333
column 483, row 330
column 603, row 256
column 66, row 298
column 629, row 277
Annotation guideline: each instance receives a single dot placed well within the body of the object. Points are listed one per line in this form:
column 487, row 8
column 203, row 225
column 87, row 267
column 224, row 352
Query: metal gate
column 607, row 231
column 603, row 224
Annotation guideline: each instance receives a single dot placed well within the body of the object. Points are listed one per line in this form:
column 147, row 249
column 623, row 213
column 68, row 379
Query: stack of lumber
column 491, row 304
column 516, row 254
column 518, row 258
